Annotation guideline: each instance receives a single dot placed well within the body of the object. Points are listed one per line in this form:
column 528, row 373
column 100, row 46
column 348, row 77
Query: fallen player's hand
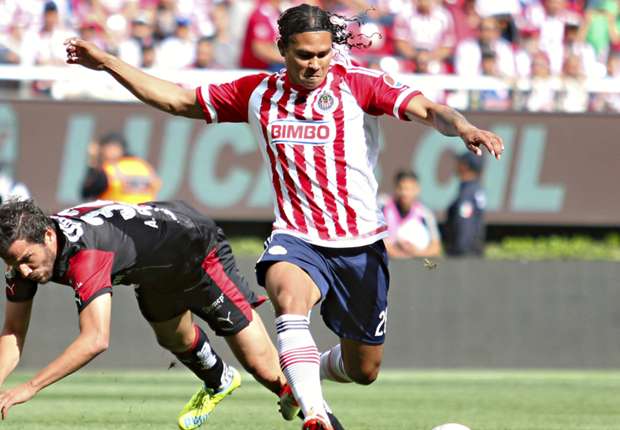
column 20, row 394
column 84, row 53
column 476, row 138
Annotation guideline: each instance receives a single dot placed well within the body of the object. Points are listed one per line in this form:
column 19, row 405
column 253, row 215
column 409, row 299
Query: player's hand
column 20, row 394
column 475, row 139
column 84, row 53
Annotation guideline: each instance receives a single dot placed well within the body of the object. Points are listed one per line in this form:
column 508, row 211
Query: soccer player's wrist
column 34, row 386
column 109, row 63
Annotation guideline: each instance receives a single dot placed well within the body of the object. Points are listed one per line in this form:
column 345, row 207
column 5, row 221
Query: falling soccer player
column 180, row 264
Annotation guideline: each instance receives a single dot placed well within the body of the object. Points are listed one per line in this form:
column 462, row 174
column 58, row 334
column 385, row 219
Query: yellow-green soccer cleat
column 197, row 410
column 289, row 408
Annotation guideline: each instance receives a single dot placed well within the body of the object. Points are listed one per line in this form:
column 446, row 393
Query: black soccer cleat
column 335, row 423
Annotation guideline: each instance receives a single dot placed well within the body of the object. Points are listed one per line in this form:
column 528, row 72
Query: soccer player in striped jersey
column 316, row 122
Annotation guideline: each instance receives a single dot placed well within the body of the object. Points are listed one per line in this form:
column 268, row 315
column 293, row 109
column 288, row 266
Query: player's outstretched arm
column 451, row 123
column 16, row 320
column 92, row 340
column 162, row 94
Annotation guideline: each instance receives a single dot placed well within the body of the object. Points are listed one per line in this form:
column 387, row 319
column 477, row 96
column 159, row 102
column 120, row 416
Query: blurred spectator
column 468, row 56
column 115, row 175
column 259, row 49
column 504, row 12
column 27, row 13
column 177, row 51
column 492, row 99
column 465, row 228
column 609, row 102
column 550, row 17
column 574, row 45
column 412, row 226
column 496, row 8
column 573, row 96
column 465, row 17
column 205, row 58
column 9, row 187
column 165, row 19
column 226, row 47
column 91, row 31
column 507, row 28
column 428, row 27
column 201, row 14
column 44, row 45
column 131, row 49
column 602, row 24
column 422, row 66
column 149, row 56
column 10, row 53
column 10, row 43
column 542, row 94
column 389, row 8
column 528, row 45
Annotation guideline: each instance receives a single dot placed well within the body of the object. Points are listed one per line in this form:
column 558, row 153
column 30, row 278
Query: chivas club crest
column 389, row 80
column 326, row 102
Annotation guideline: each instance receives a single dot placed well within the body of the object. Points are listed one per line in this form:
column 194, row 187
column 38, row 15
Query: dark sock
column 204, row 362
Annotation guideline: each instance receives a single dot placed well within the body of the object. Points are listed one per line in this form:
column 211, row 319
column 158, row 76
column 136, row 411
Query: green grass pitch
column 482, row 400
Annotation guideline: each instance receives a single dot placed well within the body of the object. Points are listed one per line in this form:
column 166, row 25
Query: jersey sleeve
column 19, row 289
column 378, row 93
column 90, row 275
column 228, row 102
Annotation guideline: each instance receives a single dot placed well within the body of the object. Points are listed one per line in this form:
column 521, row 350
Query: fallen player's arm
column 92, row 341
column 16, row 320
column 159, row 93
column 449, row 122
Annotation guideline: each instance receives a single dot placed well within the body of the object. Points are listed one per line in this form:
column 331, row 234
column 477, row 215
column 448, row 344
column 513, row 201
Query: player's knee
column 288, row 301
column 365, row 378
column 289, row 292
column 365, row 374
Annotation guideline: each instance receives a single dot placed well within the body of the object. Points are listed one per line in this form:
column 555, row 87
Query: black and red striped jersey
column 154, row 245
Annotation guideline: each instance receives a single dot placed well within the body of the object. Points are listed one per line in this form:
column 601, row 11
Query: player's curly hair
column 303, row 18
column 22, row 220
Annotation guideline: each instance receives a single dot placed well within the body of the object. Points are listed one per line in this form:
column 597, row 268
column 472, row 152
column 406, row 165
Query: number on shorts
column 382, row 321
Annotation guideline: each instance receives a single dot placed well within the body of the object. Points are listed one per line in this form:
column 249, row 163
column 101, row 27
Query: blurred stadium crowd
column 545, row 49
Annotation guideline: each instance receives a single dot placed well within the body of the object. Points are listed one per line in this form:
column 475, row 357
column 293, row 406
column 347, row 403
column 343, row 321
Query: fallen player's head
column 27, row 240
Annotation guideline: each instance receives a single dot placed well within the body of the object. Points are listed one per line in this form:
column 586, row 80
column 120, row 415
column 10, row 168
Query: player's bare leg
column 293, row 294
column 257, row 354
column 352, row 361
column 191, row 346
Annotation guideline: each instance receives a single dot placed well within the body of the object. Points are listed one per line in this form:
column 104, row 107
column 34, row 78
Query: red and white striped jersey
column 321, row 147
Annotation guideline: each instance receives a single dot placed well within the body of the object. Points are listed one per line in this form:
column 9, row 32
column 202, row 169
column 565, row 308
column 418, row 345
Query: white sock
column 332, row 366
column 299, row 360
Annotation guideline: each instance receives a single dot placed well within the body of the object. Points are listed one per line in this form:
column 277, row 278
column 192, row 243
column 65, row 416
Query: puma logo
column 226, row 320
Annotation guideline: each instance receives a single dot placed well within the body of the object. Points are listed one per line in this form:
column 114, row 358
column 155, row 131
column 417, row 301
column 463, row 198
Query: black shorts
column 222, row 297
